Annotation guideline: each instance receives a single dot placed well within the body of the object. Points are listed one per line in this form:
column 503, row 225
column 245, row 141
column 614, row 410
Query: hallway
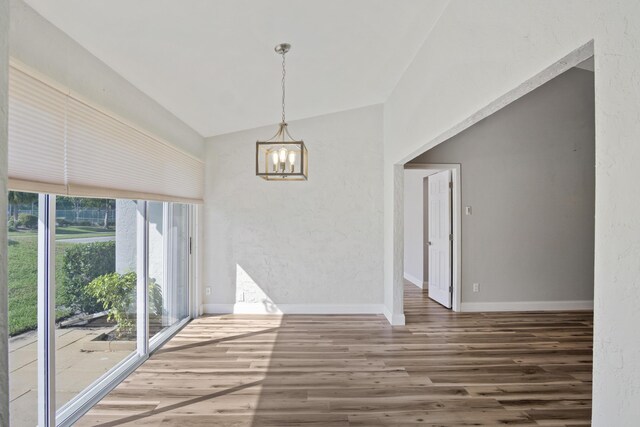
column 442, row 368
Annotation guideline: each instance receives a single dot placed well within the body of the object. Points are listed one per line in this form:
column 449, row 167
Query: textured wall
column 313, row 242
column 528, row 173
column 480, row 51
column 4, row 335
column 126, row 235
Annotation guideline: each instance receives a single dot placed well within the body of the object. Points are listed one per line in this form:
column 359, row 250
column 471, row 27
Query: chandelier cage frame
column 282, row 157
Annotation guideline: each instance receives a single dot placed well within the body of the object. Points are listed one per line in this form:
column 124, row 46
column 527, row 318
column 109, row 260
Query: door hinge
column 450, row 288
column 450, row 184
column 190, row 245
column 451, row 237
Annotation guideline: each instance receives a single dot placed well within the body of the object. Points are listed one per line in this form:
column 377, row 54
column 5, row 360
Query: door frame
column 456, row 209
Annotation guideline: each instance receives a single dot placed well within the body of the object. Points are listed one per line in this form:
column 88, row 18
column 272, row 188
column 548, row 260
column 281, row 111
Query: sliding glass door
column 109, row 275
column 169, row 246
column 96, row 250
column 22, row 262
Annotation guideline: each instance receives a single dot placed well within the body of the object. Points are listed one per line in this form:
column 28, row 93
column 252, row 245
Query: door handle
column 428, row 243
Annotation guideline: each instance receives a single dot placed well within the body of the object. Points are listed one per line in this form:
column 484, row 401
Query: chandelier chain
column 284, row 73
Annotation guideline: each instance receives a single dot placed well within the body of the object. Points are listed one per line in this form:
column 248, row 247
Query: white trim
column 164, row 335
column 394, row 320
column 142, row 285
column 528, row 306
column 46, row 310
column 413, row 279
column 196, row 262
column 456, row 207
column 271, row 308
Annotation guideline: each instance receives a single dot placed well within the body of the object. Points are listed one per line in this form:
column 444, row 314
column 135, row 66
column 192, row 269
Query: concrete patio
column 79, row 362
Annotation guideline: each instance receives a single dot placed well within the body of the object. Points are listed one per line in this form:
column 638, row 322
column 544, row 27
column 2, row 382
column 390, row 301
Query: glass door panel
column 96, row 244
column 22, row 263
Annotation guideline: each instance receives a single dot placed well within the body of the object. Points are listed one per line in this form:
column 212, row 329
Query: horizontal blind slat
column 36, row 131
column 57, row 141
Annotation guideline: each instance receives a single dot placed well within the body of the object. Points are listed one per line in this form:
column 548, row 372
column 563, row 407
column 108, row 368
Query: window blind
column 36, row 135
column 60, row 144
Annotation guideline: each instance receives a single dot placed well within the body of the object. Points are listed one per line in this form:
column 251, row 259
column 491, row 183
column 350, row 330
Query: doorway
column 433, row 231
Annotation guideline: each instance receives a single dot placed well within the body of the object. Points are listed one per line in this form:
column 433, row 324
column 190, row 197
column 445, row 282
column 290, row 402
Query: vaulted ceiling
column 211, row 62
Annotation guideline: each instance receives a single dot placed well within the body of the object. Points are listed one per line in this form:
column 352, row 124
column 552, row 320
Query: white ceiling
column 212, row 64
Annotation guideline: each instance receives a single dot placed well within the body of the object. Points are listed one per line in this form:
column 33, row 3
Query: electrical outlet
column 207, row 291
column 476, row 287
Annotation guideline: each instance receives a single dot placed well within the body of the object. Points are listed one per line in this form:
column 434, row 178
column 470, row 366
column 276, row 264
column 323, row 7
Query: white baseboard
column 394, row 320
column 527, row 306
column 413, row 279
column 259, row 308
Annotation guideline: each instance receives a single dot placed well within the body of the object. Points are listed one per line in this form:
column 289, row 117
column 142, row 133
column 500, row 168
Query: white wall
column 297, row 246
column 4, row 325
column 528, row 174
column 35, row 42
column 126, row 235
column 480, row 51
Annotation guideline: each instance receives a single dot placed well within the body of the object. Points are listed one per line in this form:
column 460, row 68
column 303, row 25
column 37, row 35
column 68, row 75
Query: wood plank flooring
column 442, row 369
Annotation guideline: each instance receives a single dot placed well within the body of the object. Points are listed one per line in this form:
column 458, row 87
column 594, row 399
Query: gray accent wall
column 528, row 172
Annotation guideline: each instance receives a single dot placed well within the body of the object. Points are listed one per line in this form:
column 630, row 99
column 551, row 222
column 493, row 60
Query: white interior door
column 439, row 244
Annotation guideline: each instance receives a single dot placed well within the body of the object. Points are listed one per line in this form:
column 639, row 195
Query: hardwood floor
column 442, row 369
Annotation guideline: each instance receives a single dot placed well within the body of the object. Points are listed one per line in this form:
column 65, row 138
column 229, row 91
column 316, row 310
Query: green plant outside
column 81, row 264
column 22, row 262
column 27, row 221
column 116, row 292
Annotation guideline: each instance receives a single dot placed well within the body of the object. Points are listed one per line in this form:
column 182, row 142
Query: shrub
column 81, row 264
column 61, row 222
column 11, row 224
column 116, row 293
column 27, row 221
column 155, row 298
column 83, row 223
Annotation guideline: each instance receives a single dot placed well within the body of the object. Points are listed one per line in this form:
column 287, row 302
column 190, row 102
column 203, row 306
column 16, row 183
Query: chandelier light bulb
column 274, row 159
column 283, row 155
column 292, row 160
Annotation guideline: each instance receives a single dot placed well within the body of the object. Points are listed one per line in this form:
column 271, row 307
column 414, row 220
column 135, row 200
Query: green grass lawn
column 23, row 281
column 23, row 273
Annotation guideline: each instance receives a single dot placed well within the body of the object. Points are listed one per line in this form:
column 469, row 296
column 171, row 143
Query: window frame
column 75, row 408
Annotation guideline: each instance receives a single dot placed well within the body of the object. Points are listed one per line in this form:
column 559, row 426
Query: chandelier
column 282, row 157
